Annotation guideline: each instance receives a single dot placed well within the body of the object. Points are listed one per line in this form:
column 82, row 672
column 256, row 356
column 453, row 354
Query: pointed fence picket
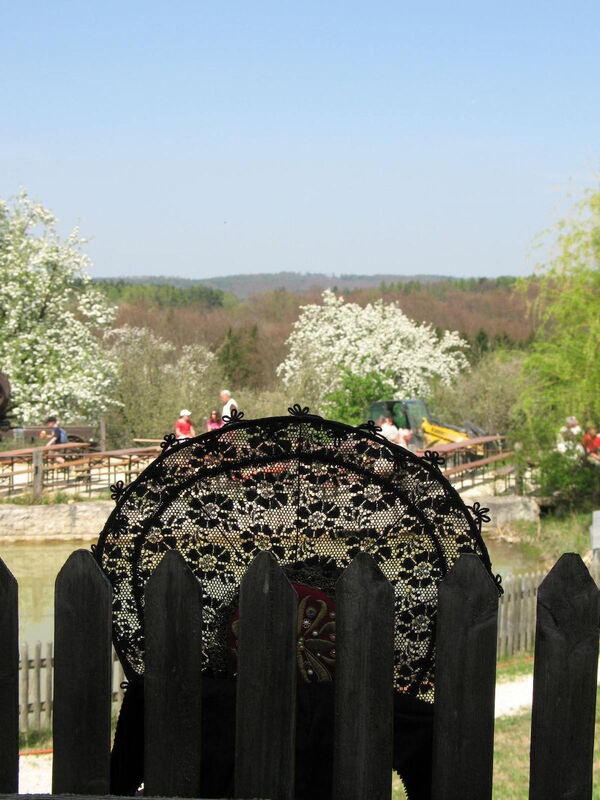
column 463, row 733
column 266, row 685
column 517, row 607
column 9, row 682
column 364, row 722
column 564, row 682
column 172, row 679
column 82, row 677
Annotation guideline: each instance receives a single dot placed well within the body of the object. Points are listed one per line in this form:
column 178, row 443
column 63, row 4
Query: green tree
column 350, row 402
column 238, row 356
column 562, row 368
column 487, row 394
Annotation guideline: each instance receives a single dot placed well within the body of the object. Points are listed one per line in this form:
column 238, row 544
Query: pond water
column 35, row 565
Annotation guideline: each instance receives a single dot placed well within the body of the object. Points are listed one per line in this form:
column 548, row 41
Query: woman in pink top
column 214, row 422
column 184, row 428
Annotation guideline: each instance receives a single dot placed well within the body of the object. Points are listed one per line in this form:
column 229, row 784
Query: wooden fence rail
column 566, row 659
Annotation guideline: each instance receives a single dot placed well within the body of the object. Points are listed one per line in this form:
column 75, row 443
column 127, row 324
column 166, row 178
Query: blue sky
column 202, row 139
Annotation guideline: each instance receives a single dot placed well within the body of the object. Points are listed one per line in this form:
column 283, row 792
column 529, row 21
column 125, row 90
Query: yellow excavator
column 427, row 431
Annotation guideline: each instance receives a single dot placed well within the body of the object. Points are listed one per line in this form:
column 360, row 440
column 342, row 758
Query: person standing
column 229, row 403
column 184, row 428
column 569, row 439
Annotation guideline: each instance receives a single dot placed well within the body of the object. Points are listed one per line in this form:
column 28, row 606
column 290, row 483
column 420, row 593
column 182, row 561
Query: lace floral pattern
column 312, row 491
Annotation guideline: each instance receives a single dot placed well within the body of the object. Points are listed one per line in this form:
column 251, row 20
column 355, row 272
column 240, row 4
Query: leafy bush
column 487, row 394
column 155, row 381
column 350, row 402
column 574, row 482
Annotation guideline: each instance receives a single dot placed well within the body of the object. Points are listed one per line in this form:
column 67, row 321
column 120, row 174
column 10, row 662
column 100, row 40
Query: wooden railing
column 566, row 657
column 69, row 467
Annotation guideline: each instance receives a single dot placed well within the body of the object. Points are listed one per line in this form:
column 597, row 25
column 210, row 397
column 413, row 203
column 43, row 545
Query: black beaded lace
column 313, row 492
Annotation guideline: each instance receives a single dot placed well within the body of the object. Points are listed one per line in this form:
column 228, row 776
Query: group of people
column 184, row 427
column 401, row 436
column 573, row 441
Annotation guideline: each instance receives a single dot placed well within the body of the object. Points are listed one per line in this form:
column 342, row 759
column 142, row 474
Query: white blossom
column 51, row 318
column 377, row 338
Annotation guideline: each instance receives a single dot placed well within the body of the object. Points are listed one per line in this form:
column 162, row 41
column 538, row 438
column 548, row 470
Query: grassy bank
column 54, row 498
column 545, row 541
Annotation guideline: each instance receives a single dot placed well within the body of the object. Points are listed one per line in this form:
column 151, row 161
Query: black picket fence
column 565, row 672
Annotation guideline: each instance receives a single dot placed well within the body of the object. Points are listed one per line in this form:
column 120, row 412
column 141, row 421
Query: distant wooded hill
column 244, row 286
column 249, row 334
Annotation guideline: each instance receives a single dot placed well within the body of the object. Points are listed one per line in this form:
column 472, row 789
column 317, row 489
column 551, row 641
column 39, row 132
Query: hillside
column 244, row 286
column 249, row 334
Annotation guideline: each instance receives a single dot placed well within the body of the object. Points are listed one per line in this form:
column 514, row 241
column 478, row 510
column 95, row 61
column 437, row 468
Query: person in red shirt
column 184, row 429
column 591, row 443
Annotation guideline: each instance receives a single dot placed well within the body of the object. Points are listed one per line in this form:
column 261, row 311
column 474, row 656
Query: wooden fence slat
column 465, row 683
column 82, row 677
column 49, row 675
column 266, row 686
column 172, row 679
column 362, row 764
column 533, row 589
column 37, row 686
column 24, row 688
column 564, row 683
column 9, row 681
column 502, row 623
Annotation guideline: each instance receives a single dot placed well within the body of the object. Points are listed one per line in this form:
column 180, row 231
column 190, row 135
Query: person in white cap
column 228, row 403
column 184, row 428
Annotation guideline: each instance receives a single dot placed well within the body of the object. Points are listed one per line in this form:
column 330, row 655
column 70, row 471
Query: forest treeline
column 249, row 335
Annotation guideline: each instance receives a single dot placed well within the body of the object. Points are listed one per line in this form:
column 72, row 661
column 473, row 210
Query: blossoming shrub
column 51, row 317
column 335, row 336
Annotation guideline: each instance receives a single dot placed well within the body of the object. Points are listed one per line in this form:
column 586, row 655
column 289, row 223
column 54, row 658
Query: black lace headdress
column 313, row 492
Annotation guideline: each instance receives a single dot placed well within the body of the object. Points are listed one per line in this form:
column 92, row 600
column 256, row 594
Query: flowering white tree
column 51, row 317
column 335, row 336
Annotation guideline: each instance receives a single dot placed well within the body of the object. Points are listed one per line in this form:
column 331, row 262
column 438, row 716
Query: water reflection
column 509, row 559
column 35, row 565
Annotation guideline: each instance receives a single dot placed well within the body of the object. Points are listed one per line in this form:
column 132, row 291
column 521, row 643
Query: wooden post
column 172, row 680
column 102, row 427
column 564, row 683
column 266, row 701
column 9, row 682
column 465, row 678
column 364, row 682
column 82, row 678
column 37, row 466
